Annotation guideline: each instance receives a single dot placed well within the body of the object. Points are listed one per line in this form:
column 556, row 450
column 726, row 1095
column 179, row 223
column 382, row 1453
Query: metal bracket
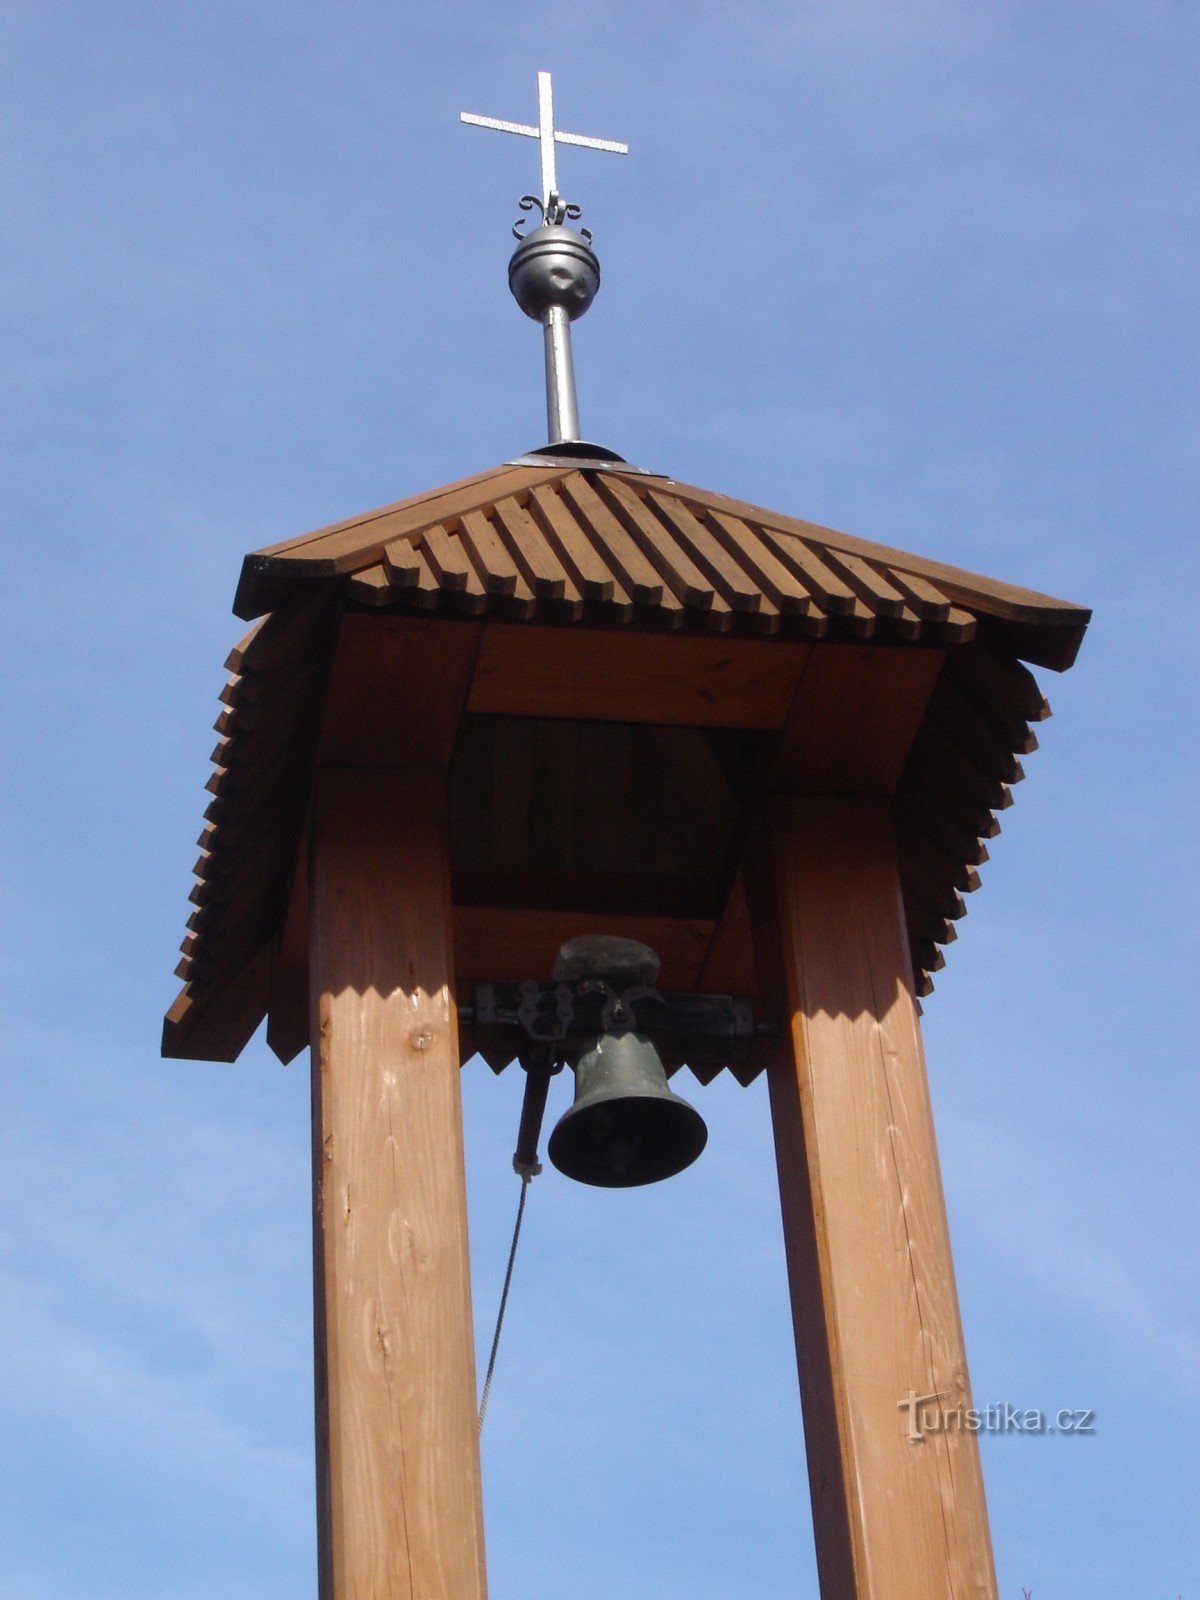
column 534, row 1014
column 583, row 457
column 704, row 1030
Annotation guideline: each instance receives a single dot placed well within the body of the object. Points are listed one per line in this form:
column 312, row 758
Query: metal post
column 562, row 409
column 540, row 1067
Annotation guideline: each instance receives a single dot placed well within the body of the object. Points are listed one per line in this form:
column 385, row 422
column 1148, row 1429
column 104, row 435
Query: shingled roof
column 607, row 544
column 598, row 544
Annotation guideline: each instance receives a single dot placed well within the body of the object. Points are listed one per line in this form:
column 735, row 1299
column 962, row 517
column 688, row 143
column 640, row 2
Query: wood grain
column 868, row 1248
column 590, row 575
column 399, row 1497
column 534, row 556
column 1002, row 682
column 488, row 551
column 218, row 1023
column 978, row 592
column 493, row 942
column 289, row 1005
column 880, row 594
column 403, row 518
column 626, row 542
column 779, row 583
column 620, row 553
column 708, row 552
column 729, row 964
column 607, row 675
column 665, row 550
column 831, row 591
column 854, row 718
column 397, row 690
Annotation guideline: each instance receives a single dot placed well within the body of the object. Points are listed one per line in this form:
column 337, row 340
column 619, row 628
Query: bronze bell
column 626, row 1127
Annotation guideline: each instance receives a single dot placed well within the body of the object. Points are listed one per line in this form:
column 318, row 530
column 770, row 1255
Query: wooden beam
column 854, row 718
column 287, row 1012
column 868, row 1248
column 288, row 1004
column 729, row 963
column 693, row 680
column 397, row 690
column 852, row 722
column 645, row 894
column 492, row 942
column 399, row 1499
column 216, row 1022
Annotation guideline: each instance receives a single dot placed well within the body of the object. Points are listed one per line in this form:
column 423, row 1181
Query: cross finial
column 553, row 273
column 548, row 136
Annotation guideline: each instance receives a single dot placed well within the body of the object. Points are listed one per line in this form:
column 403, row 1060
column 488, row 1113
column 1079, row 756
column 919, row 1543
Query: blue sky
column 924, row 272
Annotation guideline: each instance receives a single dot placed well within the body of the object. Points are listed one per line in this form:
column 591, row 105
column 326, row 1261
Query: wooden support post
column 868, row 1248
column 399, row 1500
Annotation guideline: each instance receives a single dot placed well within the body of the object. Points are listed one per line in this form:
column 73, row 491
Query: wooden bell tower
column 570, row 696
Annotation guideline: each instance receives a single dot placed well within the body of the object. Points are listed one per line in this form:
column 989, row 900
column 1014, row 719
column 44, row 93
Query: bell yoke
column 602, row 1015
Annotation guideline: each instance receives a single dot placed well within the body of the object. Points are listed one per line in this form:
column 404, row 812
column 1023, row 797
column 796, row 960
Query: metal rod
column 546, row 135
column 538, row 1073
column 562, row 409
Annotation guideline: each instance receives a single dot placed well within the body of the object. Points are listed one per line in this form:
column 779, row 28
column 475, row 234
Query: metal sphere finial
column 554, row 267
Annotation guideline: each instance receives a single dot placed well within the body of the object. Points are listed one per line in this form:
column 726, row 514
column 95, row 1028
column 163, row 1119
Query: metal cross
column 547, row 134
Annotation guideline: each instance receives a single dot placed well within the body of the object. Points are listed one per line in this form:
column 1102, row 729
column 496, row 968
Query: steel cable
column 512, row 1256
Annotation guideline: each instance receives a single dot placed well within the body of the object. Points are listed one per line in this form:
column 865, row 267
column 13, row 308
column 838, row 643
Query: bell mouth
column 625, row 1143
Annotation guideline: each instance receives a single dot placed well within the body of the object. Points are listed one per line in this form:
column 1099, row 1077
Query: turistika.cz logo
column 926, row 1415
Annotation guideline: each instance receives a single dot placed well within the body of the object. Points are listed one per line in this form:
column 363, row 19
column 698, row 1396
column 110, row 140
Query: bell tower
column 571, row 763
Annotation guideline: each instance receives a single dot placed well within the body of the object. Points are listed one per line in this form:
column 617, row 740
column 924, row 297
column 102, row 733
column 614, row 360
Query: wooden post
column 399, row 1500
column 868, row 1248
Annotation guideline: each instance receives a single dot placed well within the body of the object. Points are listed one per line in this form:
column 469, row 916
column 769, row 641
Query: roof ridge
column 347, row 546
column 1017, row 601
column 411, row 503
